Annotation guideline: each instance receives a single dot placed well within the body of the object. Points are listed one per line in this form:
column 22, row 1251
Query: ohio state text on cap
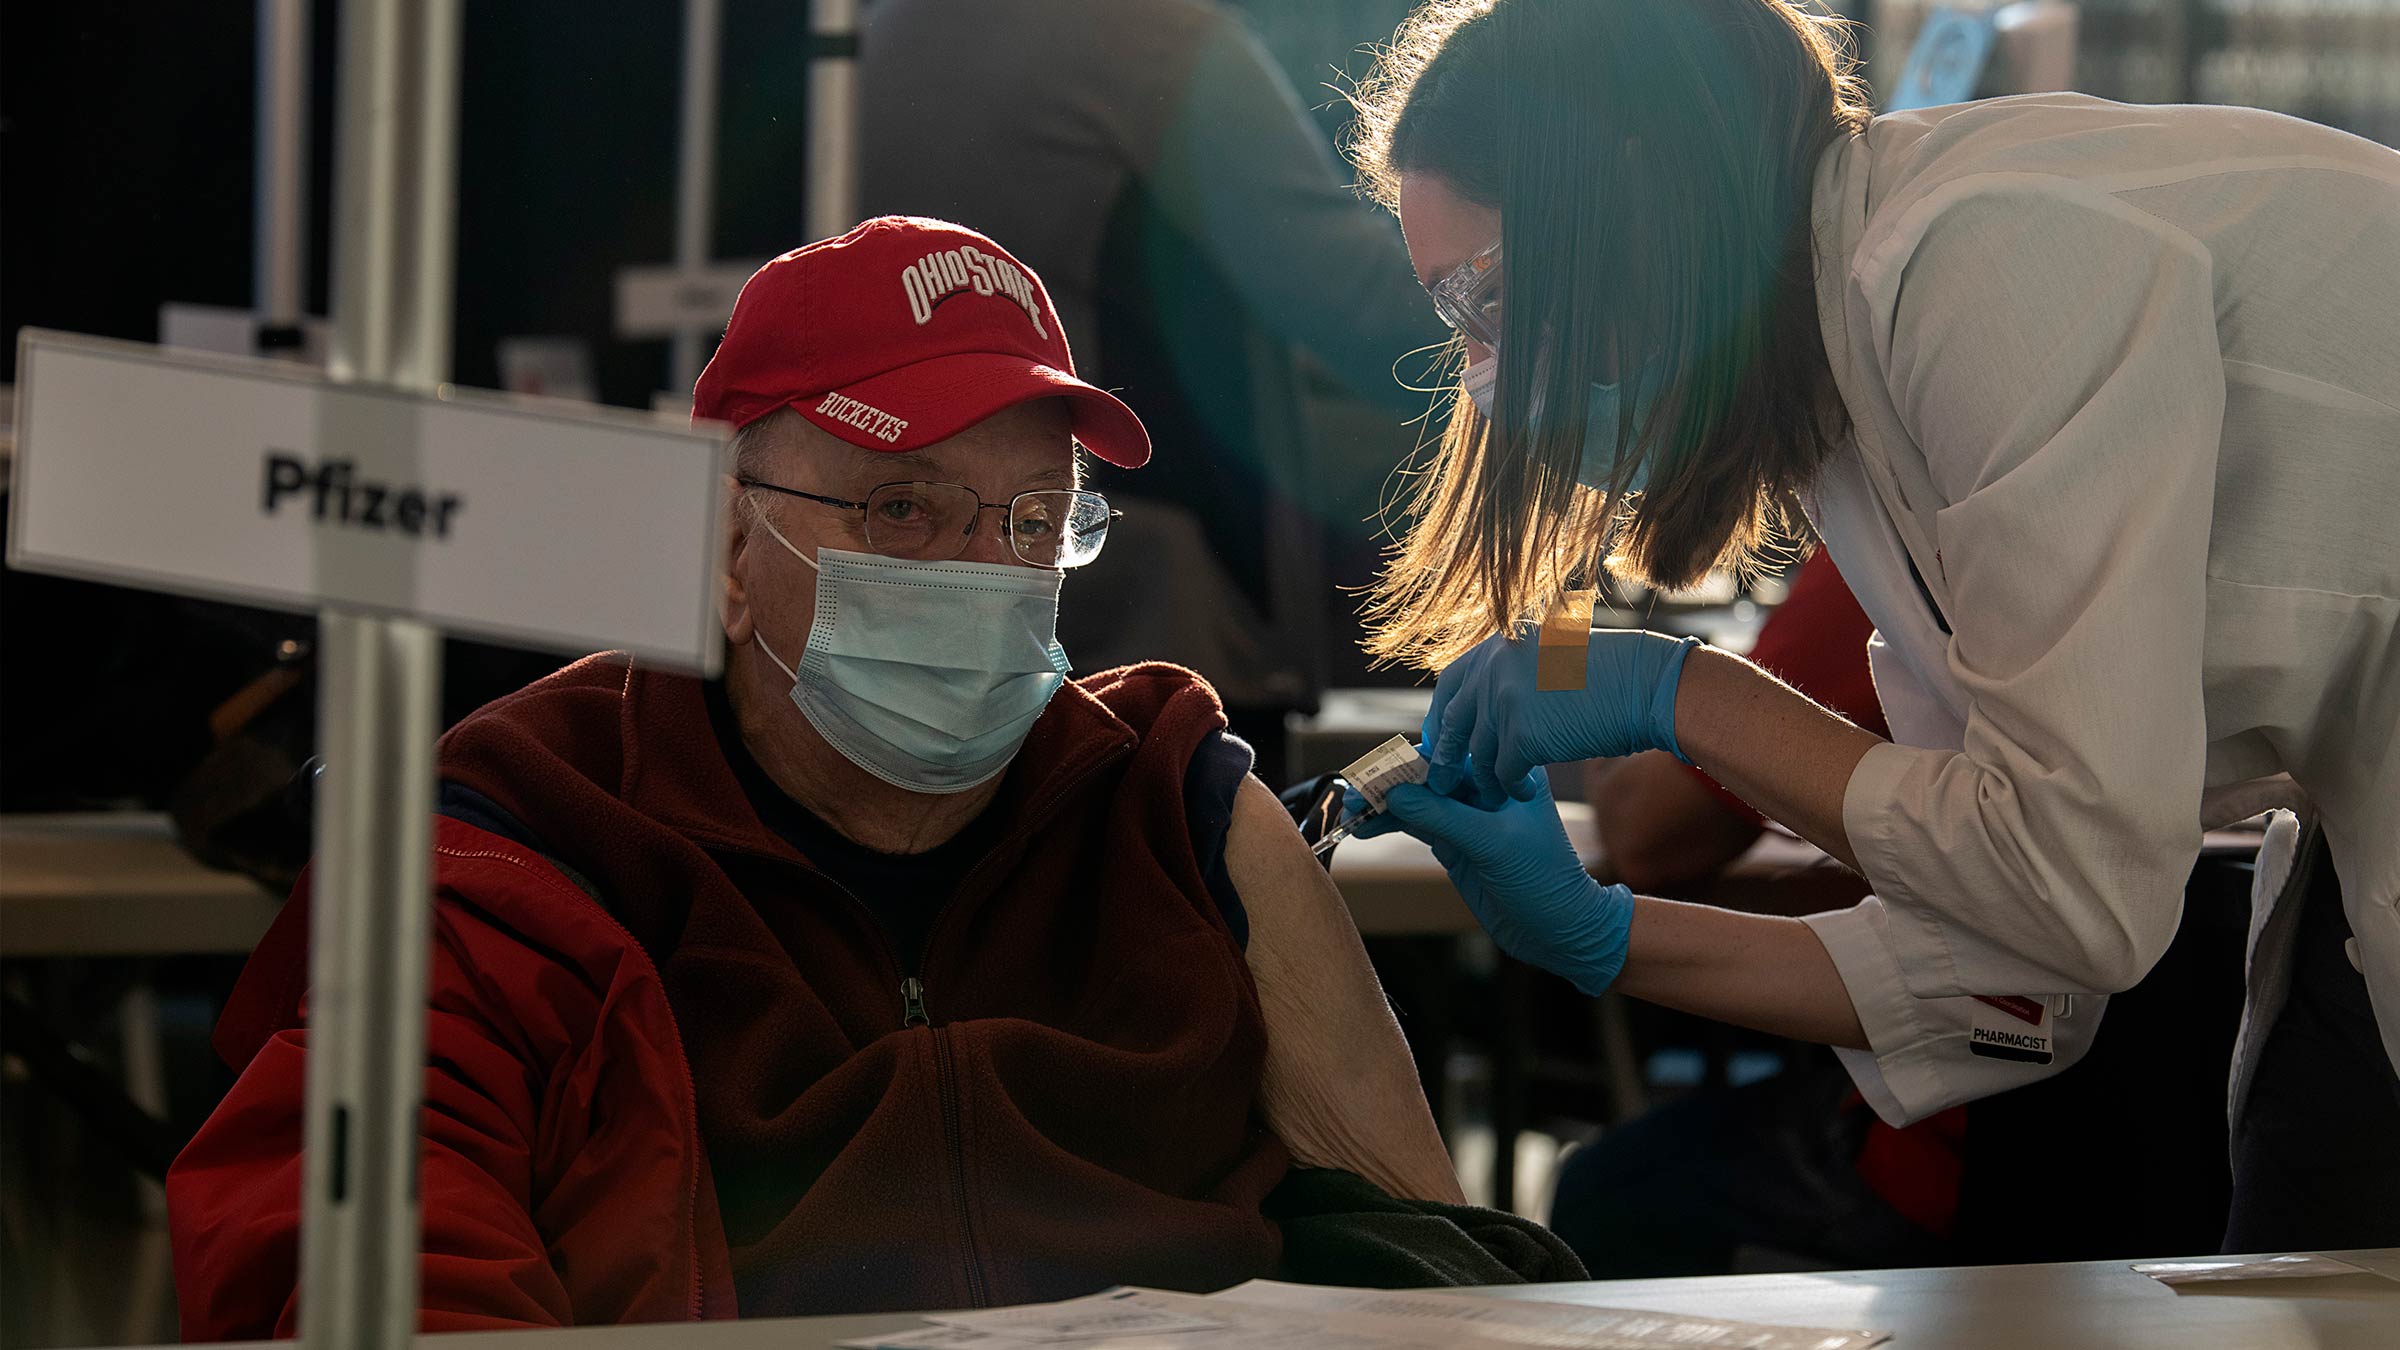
column 901, row 333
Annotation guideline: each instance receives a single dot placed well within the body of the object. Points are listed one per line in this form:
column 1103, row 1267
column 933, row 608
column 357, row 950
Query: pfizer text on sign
column 519, row 521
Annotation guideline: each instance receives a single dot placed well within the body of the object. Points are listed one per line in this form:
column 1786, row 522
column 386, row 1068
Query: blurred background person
column 1152, row 161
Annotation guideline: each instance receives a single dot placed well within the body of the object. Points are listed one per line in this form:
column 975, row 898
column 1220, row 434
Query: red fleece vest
column 1081, row 1112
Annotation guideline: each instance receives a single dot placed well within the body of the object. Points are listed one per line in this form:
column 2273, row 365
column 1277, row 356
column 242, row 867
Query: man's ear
column 735, row 612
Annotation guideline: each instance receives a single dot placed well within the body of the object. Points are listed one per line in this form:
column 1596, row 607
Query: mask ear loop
column 759, row 635
column 766, row 520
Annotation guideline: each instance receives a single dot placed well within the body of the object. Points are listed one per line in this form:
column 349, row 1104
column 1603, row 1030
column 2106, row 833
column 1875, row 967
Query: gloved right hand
column 1489, row 711
column 1512, row 862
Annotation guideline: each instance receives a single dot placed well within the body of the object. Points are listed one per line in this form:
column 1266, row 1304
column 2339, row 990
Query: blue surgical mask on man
column 928, row 675
column 1481, row 380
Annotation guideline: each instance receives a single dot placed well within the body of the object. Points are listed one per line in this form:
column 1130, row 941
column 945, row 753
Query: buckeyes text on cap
column 901, row 333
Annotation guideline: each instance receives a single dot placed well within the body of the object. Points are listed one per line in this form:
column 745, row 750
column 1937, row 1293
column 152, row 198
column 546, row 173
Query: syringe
column 1373, row 774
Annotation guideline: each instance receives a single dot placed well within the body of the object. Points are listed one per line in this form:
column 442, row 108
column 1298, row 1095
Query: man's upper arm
column 1339, row 1086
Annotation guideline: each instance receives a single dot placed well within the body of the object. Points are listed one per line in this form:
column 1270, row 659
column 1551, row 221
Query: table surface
column 117, row 884
column 1395, row 888
column 2074, row 1306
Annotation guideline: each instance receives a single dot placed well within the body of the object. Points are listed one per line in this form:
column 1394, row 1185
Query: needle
column 1339, row 833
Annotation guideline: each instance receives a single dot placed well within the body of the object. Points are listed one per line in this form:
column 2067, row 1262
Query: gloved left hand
column 1487, row 711
column 1512, row 862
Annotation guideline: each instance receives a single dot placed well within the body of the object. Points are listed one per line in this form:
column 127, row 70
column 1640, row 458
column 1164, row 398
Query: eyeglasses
column 1468, row 297
column 931, row 522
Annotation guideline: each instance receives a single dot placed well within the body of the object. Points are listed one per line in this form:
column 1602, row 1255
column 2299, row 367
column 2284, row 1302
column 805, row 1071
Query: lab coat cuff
column 1899, row 1074
column 1871, row 818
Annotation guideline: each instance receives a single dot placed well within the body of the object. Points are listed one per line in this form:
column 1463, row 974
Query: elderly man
column 896, row 970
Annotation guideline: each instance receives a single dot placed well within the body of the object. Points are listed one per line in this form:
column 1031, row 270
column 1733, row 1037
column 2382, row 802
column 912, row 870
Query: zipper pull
column 912, row 1003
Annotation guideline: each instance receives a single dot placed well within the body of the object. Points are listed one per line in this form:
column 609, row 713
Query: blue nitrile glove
column 1352, row 804
column 1513, row 864
column 1486, row 710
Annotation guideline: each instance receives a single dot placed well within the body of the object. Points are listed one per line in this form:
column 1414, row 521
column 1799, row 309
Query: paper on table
column 1447, row 1319
column 1135, row 1319
column 1289, row 1334
column 1113, row 1312
column 2303, row 1266
column 1266, row 1315
column 937, row 1338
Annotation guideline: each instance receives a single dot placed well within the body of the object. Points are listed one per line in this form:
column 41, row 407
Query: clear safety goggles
column 1468, row 297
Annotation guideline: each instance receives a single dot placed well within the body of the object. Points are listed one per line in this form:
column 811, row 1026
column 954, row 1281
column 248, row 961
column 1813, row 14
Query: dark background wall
column 125, row 162
column 125, row 169
column 125, row 156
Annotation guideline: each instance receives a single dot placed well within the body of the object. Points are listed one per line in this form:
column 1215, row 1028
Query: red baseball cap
column 903, row 332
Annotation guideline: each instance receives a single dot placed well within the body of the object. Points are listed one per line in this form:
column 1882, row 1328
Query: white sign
column 522, row 521
column 662, row 301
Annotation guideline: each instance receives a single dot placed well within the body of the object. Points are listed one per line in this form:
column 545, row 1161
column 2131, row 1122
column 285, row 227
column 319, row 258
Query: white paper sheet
column 937, row 1338
column 1444, row 1318
column 2308, row 1265
column 1115, row 1312
column 1266, row 1315
column 1300, row 1335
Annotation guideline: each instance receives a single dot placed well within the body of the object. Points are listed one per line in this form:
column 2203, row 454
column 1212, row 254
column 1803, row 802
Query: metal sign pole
column 279, row 239
column 832, row 206
column 695, row 169
column 378, row 711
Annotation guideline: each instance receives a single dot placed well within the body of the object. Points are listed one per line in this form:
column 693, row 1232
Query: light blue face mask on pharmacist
column 1481, row 378
column 927, row 675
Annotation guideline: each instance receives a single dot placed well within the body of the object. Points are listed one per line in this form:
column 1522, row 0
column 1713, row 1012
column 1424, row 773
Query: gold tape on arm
column 1565, row 642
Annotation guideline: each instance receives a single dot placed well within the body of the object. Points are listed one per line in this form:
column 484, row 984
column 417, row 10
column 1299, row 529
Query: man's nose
column 987, row 543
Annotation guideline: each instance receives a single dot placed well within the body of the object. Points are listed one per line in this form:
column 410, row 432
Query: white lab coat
column 2125, row 390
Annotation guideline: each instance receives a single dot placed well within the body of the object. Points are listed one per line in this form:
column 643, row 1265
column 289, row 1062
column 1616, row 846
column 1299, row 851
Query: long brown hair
column 1652, row 163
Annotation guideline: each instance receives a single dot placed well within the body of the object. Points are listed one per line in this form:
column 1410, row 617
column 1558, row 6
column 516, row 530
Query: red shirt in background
column 1816, row 642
